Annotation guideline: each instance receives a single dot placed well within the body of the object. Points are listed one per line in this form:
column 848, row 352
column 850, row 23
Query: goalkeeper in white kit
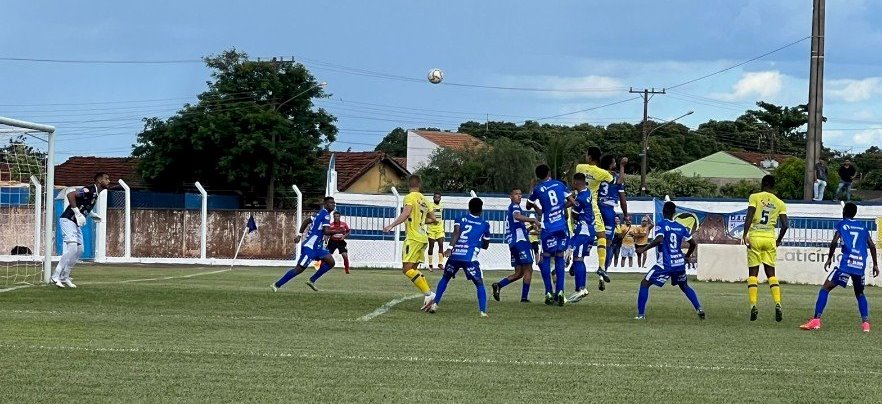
column 81, row 201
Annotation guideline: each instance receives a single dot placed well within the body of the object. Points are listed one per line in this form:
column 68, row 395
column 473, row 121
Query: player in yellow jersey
column 764, row 211
column 417, row 214
column 436, row 232
column 594, row 175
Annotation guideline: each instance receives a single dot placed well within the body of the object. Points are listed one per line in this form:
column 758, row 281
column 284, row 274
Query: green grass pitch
column 149, row 334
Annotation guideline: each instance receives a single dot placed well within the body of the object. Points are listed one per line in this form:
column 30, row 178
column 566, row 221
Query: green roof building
column 730, row 167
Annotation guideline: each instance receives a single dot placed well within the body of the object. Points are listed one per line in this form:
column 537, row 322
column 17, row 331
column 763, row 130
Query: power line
column 738, row 64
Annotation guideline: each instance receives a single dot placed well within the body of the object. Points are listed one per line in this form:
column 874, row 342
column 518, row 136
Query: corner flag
column 251, row 225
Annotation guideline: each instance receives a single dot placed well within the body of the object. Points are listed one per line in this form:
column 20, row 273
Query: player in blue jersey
column 80, row 203
column 552, row 195
column 313, row 248
column 518, row 239
column 583, row 234
column 610, row 194
column 471, row 233
column 671, row 261
column 856, row 243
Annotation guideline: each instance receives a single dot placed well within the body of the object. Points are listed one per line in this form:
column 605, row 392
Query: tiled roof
column 450, row 140
column 350, row 166
column 402, row 161
column 81, row 171
column 756, row 159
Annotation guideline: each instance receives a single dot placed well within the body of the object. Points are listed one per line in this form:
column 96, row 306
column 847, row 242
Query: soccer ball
column 435, row 76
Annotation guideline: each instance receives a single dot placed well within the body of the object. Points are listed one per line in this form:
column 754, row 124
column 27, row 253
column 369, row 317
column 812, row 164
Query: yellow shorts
column 413, row 252
column 599, row 226
column 762, row 250
column 435, row 234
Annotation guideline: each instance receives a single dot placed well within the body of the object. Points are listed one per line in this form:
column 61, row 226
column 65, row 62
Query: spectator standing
column 820, row 179
column 847, row 172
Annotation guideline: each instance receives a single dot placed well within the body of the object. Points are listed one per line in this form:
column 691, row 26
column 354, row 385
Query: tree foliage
column 497, row 167
column 394, row 143
column 255, row 126
column 22, row 160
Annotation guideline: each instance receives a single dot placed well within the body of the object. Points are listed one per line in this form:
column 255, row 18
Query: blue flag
column 251, row 225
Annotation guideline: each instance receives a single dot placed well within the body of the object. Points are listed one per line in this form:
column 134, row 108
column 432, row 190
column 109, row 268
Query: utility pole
column 646, row 94
column 816, row 98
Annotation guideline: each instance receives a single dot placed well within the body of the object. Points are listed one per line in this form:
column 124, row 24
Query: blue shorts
column 840, row 278
column 659, row 275
column 471, row 269
column 521, row 253
column 582, row 245
column 609, row 219
column 554, row 242
column 308, row 255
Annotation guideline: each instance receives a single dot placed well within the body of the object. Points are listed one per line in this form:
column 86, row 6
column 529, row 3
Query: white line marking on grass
column 164, row 278
column 386, row 307
column 14, row 288
column 414, row 359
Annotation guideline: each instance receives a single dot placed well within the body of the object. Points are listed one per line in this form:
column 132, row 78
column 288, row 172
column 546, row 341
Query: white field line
column 422, row 359
column 386, row 307
column 14, row 288
column 162, row 278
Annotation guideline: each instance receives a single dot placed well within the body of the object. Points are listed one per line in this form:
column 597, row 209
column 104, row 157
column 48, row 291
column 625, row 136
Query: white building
column 422, row 143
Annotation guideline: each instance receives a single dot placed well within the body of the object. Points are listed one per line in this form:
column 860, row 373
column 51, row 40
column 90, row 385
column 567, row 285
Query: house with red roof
column 81, row 170
column 365, row 172
column 421, row 144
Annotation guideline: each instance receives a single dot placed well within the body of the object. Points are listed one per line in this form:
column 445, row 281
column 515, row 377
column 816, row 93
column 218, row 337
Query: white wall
column 419, row 149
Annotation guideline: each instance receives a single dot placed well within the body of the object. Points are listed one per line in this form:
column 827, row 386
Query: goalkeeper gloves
column 78, row 216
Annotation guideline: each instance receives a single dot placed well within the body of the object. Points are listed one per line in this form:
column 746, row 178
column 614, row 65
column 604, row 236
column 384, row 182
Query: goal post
column 33, row 164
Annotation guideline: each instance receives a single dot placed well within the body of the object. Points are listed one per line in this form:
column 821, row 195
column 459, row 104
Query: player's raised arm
column 405, row 213
column 785, row 224
column 833, row 244
column 623, row 202
column 872, row 247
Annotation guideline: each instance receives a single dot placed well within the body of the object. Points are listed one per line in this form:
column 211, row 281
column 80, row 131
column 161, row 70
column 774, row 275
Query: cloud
column 850, row 90
column 590, row 86
column 868, row 137
column 753, row 85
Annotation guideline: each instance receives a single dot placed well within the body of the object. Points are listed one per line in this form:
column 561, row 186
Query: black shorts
column 339, row 245
column 535, row 246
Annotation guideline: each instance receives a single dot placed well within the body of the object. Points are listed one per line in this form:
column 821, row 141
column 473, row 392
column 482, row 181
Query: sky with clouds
column 588, row 53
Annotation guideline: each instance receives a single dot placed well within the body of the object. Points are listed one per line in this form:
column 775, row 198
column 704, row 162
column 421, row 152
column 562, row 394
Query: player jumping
column 312, row 248
column 551, row 195
column 856, row 241
column 610, row 194
column 518, row 239
column 595, row 176
column 470, row 233
column 583, row 236
column 435, row 232
column 80, row 203
column 417, row 214
column 337, row 242
column 671, row 261
column 764, row 210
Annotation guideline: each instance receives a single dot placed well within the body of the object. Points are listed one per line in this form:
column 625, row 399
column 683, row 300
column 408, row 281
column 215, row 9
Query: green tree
column 255, row 126
column 739, row 190
column 497, row 167
column 394, row 144
column 22, row 160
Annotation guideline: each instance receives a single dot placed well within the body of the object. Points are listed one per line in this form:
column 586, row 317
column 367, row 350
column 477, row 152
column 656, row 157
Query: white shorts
column 70, row 232
column 627, row 251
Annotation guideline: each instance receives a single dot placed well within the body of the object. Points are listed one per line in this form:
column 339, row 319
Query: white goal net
column 25, row 181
